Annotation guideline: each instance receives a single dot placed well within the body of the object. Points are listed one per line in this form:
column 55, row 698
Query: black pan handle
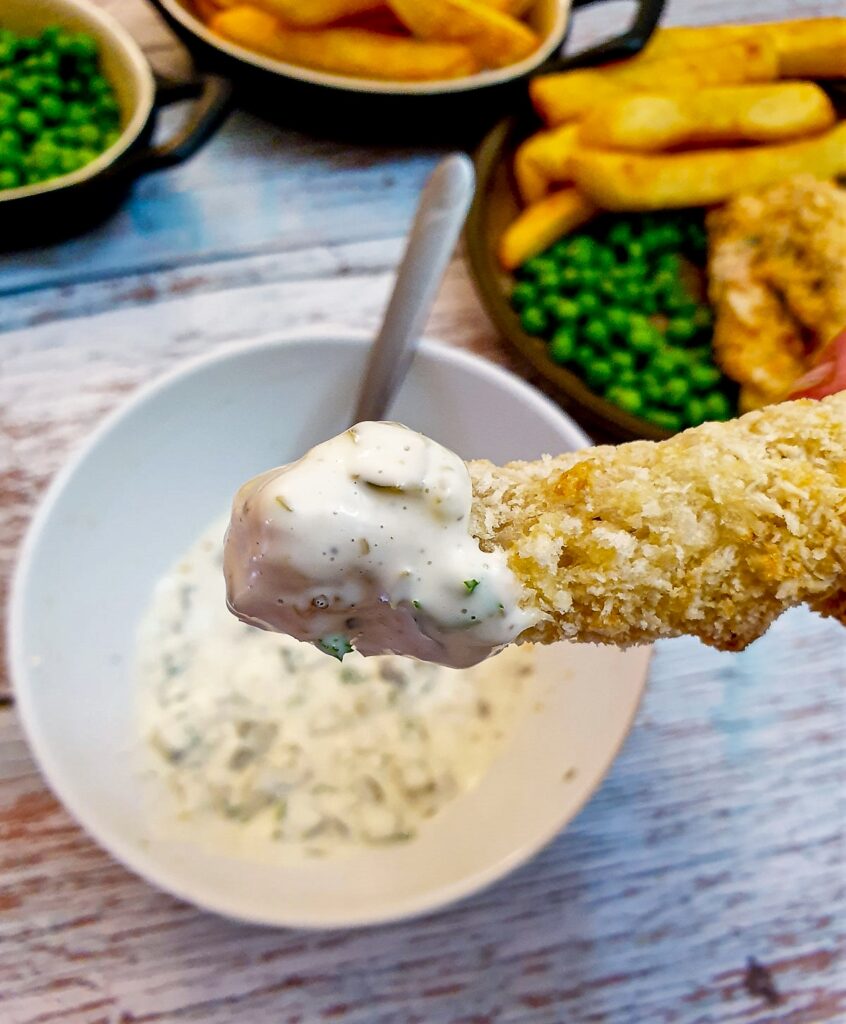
column 632, row 41
column 214, row 101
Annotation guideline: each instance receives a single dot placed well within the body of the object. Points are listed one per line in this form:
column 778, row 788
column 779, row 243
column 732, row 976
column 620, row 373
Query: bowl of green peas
column 78, row 105
column 615, row 315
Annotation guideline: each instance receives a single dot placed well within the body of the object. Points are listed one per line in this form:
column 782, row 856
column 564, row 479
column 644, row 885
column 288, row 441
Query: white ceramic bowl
column 144, row 487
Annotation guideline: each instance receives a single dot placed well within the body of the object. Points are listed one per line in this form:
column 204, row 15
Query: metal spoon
column 440, row 215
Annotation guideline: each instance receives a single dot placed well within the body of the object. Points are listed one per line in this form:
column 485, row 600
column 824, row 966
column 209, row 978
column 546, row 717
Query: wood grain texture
column 720, row 833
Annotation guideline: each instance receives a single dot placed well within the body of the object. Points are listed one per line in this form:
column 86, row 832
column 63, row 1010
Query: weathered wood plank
column 718, row 835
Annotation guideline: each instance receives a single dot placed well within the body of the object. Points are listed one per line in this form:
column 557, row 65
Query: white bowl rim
column 139, row 861
column 375, row 86
column 121, row 41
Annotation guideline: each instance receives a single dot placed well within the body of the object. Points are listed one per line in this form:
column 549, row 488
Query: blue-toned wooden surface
column 720, row 833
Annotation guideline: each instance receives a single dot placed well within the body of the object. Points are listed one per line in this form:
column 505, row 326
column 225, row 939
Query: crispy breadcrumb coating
column 714, row 532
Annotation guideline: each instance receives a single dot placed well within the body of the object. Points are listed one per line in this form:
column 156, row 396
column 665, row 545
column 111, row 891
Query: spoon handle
column 440, row 215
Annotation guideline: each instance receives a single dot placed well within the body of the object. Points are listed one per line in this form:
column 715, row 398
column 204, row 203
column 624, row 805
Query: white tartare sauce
column 260, row 742
column 365, row 542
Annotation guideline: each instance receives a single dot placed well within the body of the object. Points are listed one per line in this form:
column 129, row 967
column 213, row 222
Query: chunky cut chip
column 496, row 38
column 316, row 13
column 543, row 223
column 565, row 96
column 543, row 160
column 637, row 181
column 345, row 51
column 719, row 114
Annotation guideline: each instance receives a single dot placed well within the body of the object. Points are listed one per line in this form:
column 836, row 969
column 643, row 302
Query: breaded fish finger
column 712, row 533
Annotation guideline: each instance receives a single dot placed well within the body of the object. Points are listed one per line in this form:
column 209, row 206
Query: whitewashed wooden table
column 719, row 837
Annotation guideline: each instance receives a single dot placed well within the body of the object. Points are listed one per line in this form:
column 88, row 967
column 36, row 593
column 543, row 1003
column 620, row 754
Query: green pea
column 630, row 293
column 619, row 320
column 622, row 359
column 645, row 340
column 663, row 364
column 523, row 294
column 29, row 122
column 635, row 251
column 694, row 411
column 549, row 303
column 663, row 418
column 108, row 112
column 599, row 374
column 567, row 309
column 670, row 236
column 581, row 251
column 10, row 137
column 99, row 86
column 28, row 87
column 8, row 52
column 70, row 160
column 604, row 258
column 79, row 113
column 637, row 270
column 110, row 138
column 669, row 263
column 9, row 178
column 588, row 303
column 571, row 279
column 681, row 329
column 51, row 108
column 52, row 83
column 591, row 278
column 549, row 280
column 703, row 377
column 44, row 156
column 597, row 333
column 562, row 348
column 48, row 61
column 584, row 356
column 628, row 399
column 534, row 320
column 651, row 239
column 626, row 378
column 652, row 388
column 676, row 391
column 11, row 156
column 717, row 406
column 80, row 45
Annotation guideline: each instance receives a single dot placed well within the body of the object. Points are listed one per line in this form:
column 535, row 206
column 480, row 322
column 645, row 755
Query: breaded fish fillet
column 777, row 280
column 714, row 532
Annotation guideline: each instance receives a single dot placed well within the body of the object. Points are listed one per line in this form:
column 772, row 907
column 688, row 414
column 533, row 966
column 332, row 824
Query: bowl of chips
column 313, row 61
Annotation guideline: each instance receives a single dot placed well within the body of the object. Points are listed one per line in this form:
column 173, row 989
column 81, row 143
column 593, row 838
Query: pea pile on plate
column 619, row 305
column 58, row 111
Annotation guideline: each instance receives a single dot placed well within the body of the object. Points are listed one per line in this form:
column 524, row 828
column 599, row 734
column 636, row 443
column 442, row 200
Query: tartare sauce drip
column 365, row 542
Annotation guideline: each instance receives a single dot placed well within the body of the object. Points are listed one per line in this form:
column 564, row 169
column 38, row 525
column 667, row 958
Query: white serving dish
column 144, row 487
